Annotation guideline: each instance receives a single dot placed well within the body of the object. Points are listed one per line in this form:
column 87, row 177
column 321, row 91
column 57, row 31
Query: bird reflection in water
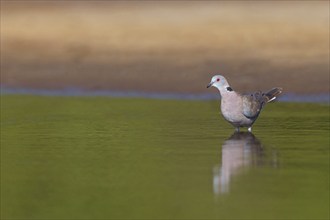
column 239, row 151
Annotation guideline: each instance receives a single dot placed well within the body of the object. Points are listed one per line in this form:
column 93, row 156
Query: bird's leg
column 237, row 129
column 250, row 129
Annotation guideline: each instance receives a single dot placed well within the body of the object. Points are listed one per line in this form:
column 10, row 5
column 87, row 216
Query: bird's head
column 218, row 81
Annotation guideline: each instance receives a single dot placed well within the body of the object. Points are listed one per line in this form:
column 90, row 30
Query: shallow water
column 112, row 158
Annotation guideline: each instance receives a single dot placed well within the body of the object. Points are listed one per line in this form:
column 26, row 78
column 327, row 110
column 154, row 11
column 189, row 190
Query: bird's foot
column 250, row 129
column 237, row 129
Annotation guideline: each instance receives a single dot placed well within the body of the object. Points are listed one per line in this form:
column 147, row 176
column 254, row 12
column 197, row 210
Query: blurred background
column 165, row 47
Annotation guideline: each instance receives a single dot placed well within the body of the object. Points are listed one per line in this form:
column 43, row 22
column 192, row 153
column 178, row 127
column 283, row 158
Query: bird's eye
column 218, row 80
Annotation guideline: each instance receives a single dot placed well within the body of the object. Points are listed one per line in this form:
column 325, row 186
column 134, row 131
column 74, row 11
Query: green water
column 111, row 158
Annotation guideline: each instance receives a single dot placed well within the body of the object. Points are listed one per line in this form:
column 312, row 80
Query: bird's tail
column 273, row 93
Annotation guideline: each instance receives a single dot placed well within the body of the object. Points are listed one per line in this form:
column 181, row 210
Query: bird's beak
column 209, row 85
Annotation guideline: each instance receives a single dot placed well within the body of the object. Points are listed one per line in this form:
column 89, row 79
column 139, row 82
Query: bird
column 238, row 109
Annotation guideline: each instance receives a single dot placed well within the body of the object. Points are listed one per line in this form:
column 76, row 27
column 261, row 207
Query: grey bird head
column 218, row 82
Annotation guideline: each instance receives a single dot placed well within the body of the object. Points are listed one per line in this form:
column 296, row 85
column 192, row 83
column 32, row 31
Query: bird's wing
column 252, row 104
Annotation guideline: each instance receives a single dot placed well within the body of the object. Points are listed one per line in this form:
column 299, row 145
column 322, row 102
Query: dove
column 238, row 109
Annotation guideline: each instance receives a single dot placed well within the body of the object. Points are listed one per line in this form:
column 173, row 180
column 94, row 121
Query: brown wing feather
column 252, row 104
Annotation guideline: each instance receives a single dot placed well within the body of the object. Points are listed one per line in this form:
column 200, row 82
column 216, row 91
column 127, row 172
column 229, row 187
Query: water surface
column 130, row 158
